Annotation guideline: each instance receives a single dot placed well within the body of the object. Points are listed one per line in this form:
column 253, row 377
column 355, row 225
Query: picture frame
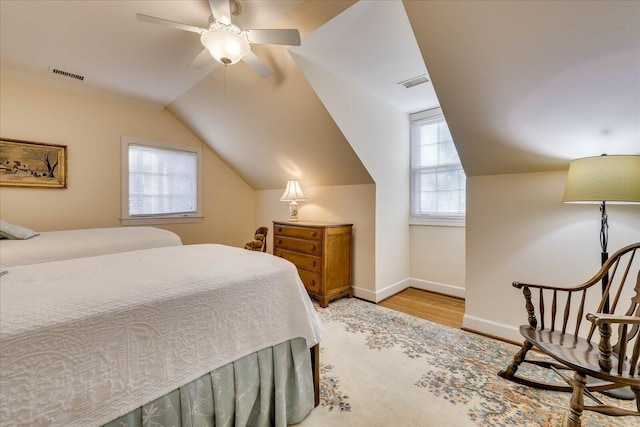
column 32, row 164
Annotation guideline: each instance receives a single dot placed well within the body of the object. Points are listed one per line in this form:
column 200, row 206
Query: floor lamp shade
column 603, row 179
column 613, row 179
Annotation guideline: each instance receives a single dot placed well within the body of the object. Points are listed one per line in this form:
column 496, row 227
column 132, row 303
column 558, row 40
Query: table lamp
column 293, row 193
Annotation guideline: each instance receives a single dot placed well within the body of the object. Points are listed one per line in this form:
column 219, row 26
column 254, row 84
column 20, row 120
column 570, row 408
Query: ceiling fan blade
column 221, row 10
column 201, row 60
column 171, row 24
column 286, row 37
column 256, row 64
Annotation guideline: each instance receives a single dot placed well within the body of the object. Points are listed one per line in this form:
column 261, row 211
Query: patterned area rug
column 380, row 367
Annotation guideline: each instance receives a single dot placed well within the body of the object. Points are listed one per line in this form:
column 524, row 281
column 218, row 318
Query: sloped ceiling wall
column 266, row 134
column 526, row 86
column 275, row 129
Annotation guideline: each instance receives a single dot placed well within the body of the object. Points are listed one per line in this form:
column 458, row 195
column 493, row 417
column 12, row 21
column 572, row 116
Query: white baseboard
column 364, row 294
column 377, row 296
column 489, row 327
column 441, row 288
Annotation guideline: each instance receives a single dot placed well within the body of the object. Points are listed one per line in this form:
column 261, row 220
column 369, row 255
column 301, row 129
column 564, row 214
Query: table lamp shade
column 611, row 179
column 292, row 192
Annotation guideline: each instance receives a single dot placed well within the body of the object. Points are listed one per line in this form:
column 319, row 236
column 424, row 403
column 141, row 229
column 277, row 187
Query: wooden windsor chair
column 602, row 361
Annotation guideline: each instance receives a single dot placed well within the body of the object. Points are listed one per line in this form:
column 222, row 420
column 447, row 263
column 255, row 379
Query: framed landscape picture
column 32, row 164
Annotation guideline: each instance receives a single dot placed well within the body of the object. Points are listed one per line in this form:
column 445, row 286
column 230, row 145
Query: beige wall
column 438, row 259
column 519, row 230
column 351, row 204
column 91, row 127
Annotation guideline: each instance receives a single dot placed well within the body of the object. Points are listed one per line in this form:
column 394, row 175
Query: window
column 161, row 183
column 438, row 182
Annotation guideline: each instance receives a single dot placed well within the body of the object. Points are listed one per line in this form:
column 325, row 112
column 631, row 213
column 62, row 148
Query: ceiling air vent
column 53, row 70
column 414, row 81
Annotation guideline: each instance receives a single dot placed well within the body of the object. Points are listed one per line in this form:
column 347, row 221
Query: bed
column 68, row 244
column 189, row 332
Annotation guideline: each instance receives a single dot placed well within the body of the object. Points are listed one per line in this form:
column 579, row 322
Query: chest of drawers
column 322, row 254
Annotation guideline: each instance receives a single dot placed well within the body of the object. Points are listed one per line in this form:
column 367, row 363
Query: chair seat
column 575, row 352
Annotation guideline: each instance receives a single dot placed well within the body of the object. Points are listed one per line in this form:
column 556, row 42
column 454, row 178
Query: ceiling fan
column 227, row 42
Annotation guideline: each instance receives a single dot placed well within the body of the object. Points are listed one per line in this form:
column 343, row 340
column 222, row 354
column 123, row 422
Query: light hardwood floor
column 435, row 307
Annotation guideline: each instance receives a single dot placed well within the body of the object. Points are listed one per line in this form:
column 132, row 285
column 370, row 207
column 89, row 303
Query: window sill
column 438, row 221
column 161, row 220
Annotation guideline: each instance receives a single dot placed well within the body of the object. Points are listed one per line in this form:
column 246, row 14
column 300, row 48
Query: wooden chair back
column 613, row 290
column 259, row 242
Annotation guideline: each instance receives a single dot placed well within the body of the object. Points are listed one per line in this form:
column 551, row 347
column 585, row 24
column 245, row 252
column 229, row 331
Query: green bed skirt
column 272, row 387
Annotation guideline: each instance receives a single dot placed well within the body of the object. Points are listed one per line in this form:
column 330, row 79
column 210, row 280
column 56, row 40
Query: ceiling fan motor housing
column 225, row 46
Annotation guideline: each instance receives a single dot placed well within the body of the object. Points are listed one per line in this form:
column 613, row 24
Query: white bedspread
column 84, row 341
column 69, row 244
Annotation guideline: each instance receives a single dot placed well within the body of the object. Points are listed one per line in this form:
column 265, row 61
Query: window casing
column 438, row 182
column 161, row 182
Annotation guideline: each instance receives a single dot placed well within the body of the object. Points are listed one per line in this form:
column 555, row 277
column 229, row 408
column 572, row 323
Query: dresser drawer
column 312, row 247
column 311, row 281
column 305, row 262
column 300, row 232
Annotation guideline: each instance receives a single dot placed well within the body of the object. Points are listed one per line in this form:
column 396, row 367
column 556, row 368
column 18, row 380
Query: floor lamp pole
column 623, row 393
column 604, row 240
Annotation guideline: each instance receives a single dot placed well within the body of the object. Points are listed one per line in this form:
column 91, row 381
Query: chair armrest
column 529, row 304
column 604, row 322
column 601, row 318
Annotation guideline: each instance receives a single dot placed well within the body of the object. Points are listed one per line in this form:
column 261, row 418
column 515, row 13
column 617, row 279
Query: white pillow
column 15, row 232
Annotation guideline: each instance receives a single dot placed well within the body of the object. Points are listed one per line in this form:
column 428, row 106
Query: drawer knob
column 313, row 234
column 279, row 241
column 279, row 229
column 313, row 247
column 313, row 263
column 313, row 283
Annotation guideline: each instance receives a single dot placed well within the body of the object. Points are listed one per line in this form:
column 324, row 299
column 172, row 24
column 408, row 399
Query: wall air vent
column 53, row 70
column 414, row 81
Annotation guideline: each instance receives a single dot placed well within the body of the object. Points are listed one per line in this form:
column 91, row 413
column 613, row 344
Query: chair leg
column 577, row 400
column 636, row 392
column 518, row 358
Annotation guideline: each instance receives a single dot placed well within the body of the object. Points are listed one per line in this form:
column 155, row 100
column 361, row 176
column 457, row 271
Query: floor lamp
column 604, row 179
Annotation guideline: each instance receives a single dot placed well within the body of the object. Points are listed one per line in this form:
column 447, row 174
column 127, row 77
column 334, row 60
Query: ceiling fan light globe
column 225, row 47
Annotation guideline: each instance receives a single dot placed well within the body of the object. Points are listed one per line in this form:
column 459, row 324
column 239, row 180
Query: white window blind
column 160, row 181
column 438, row 182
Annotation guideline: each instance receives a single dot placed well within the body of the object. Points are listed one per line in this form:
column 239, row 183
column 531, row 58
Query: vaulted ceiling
column 525, row 85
